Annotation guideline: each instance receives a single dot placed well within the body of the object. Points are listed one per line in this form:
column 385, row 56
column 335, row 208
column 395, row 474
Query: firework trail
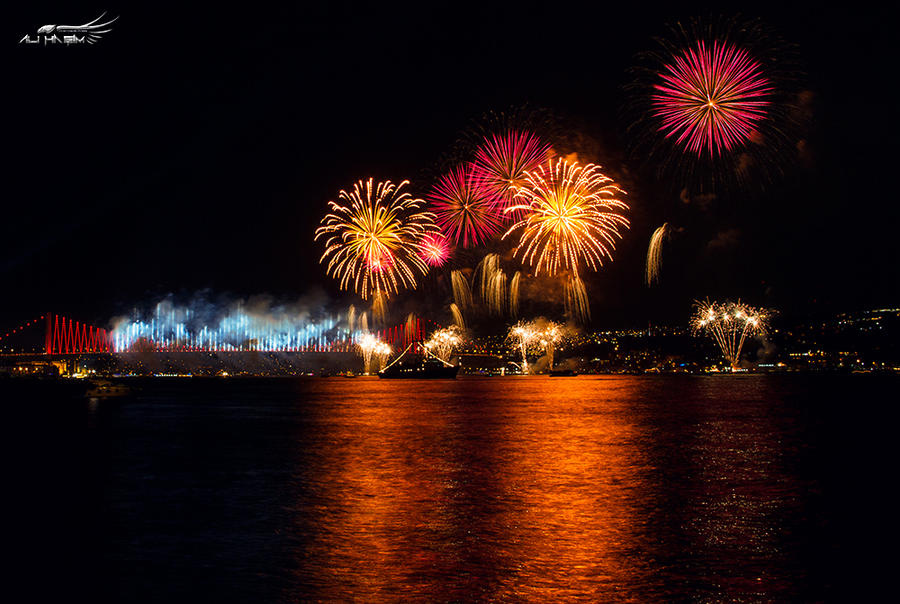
column 496, row 292
column 496, row 299
column 458, row 319
column 351, row 317
column 711, row 98
column 514, row 294
column 464, row 211
column 571, row 218
column 373, row 241
column 501, row 163
column 484, row 273
column 577, row 303
column 462, row 294
column 444, row 341
column 729, row 324
column 654, row 254
column 379, row 307
column 410, row 326
column 435, row 249
column 364, row 322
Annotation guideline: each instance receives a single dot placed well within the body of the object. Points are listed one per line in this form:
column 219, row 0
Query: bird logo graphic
column 91, row 31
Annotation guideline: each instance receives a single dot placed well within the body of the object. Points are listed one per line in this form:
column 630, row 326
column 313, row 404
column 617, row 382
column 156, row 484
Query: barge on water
column 428, row 367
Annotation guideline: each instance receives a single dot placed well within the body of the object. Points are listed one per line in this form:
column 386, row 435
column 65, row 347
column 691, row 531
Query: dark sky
column 193, row 149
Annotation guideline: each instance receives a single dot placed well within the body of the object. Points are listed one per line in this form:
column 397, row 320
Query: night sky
column 192, row 150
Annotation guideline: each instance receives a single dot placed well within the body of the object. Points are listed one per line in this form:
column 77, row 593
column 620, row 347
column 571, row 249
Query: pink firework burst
column 711, row 99
column 434, row 249
column 501, row 163
column 464, row 211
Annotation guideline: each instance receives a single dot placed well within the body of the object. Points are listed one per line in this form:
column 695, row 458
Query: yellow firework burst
column 571, row 217
column 444, row 341
column 373, row 238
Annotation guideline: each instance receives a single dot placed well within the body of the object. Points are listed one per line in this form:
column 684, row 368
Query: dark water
column 633, row 489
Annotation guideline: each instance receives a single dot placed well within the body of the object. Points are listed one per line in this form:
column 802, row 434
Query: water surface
column 596, row 488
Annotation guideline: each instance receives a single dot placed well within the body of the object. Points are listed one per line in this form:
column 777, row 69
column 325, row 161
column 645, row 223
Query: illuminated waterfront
column 518, row 489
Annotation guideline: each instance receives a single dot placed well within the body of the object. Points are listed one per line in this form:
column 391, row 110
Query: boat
column 426, row 369
column 106, row 389
column 563, row 373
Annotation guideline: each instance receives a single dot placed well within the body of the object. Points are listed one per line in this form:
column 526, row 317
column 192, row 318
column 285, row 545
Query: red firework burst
column 502, row 161
column 711, row 100
column 435, row 249
column 463, row 210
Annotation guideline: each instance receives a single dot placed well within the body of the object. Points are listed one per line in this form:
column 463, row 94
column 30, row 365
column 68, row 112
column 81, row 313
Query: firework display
column 465, row 211
column 571, row 220
column 373, row 241
column 711, row 98
column 717, row 106
column 443, row 342
column 381, row 353
column 371, row 347
column 541, row 336
column 654, row 254
column 539, row 218
column 548, row 338
column 502, row 163
column 435, row 249
column 729, row 324
column 522, row 335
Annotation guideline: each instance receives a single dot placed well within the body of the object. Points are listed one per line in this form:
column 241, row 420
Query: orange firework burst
column 373, row 241
column 571, row 217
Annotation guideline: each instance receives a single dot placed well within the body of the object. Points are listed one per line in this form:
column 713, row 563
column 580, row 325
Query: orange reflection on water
column 578, row 472
column 480, row 489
